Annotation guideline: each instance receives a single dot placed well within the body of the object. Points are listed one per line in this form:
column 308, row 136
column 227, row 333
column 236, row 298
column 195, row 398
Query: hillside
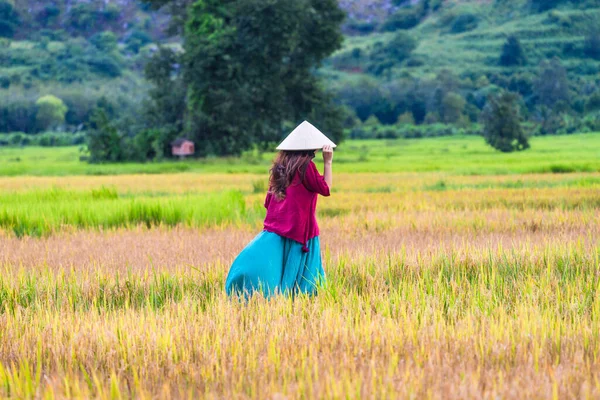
column 406, row 62
column 436, row 62
column 477, row 49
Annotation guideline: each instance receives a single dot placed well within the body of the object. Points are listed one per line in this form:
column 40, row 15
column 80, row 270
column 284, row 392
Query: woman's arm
column 328, row 161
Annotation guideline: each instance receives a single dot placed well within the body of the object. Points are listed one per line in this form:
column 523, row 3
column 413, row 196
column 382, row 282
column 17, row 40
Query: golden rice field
column 440, row 286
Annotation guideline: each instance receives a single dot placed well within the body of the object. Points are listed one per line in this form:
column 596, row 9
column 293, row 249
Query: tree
column 48, row 15
column 9, row 19
column 105, row 41
column 453, row 106
column 544, row 5
column 365, row 96
column 404, row 18
column 136, row 40
column 248, row 67
column 51, row 112
column 464, row 23
column 502, row 123
column 552, row 86
column 593, row 102
column 591, row 47
column 512, row 53
column 385, row 56
column 166, row 110
column 105, row 143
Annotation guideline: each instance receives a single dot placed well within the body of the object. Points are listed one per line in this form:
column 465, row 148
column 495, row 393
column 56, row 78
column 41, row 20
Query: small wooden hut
column 182, row 147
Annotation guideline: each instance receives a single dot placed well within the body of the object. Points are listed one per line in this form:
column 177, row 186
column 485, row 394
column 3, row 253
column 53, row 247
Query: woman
column 286, row 256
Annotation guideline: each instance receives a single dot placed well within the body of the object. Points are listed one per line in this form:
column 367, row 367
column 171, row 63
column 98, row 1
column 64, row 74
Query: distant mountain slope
column 560, row 32
column 399, row 59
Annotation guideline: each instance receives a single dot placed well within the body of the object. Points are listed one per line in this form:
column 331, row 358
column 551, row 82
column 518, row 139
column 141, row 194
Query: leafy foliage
column 105, row 142
column 544, row 5
column 552, row 86
column 591, row 46
column 386, row 56
column 9, row 19
column 502, row 123
column 51, row 112
column 248, row 67
column 512, row 53
column 464, row 23
column 105, row 41
column 405, row 18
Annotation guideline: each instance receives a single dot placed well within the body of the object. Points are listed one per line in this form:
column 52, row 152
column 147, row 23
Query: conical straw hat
column 305, row 137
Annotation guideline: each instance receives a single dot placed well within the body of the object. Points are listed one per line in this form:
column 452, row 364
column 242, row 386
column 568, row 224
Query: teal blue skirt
column 273, row 264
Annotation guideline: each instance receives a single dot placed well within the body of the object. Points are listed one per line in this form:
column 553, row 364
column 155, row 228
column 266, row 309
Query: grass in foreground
column 440, row 284
column 519, row 321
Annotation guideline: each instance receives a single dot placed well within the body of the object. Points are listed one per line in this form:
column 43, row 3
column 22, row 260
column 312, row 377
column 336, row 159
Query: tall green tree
column 105, row 142
column 512, row 53
column 249, row 66
column 502, row 123
column 591, row 47
column 552, row 86
column 9, row 19
column 165, row 113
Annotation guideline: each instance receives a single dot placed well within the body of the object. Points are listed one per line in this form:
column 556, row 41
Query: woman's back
column 294, row 215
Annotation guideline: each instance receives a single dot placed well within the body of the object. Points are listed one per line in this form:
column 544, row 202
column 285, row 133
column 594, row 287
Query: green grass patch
column 40, row 213
column 458, row 155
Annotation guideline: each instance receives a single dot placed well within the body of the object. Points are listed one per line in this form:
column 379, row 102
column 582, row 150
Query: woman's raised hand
column 327, row 154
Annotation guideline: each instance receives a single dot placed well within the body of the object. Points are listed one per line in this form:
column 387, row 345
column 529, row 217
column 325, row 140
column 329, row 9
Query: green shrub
column 361, row 132
column 104, row 65
column 405, row 18
column 145, row 144
column 105, row 41
column 414, row 62
column 385, row 56
column 136, row 40
column 464, row 23
column 361, row 27
column 46, row 139
column 406, row 118
column 16, row 138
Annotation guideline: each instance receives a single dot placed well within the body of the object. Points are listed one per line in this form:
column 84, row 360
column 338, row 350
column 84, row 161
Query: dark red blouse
column 294, row 216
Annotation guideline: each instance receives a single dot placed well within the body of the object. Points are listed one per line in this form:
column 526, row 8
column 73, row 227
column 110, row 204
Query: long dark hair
column 284, row 169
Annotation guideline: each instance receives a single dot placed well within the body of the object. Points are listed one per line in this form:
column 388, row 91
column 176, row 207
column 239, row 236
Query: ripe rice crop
column 459, row 315
column 439, row 285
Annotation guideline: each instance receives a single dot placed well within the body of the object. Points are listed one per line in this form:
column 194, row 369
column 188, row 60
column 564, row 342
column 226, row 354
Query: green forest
column 123, row 79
